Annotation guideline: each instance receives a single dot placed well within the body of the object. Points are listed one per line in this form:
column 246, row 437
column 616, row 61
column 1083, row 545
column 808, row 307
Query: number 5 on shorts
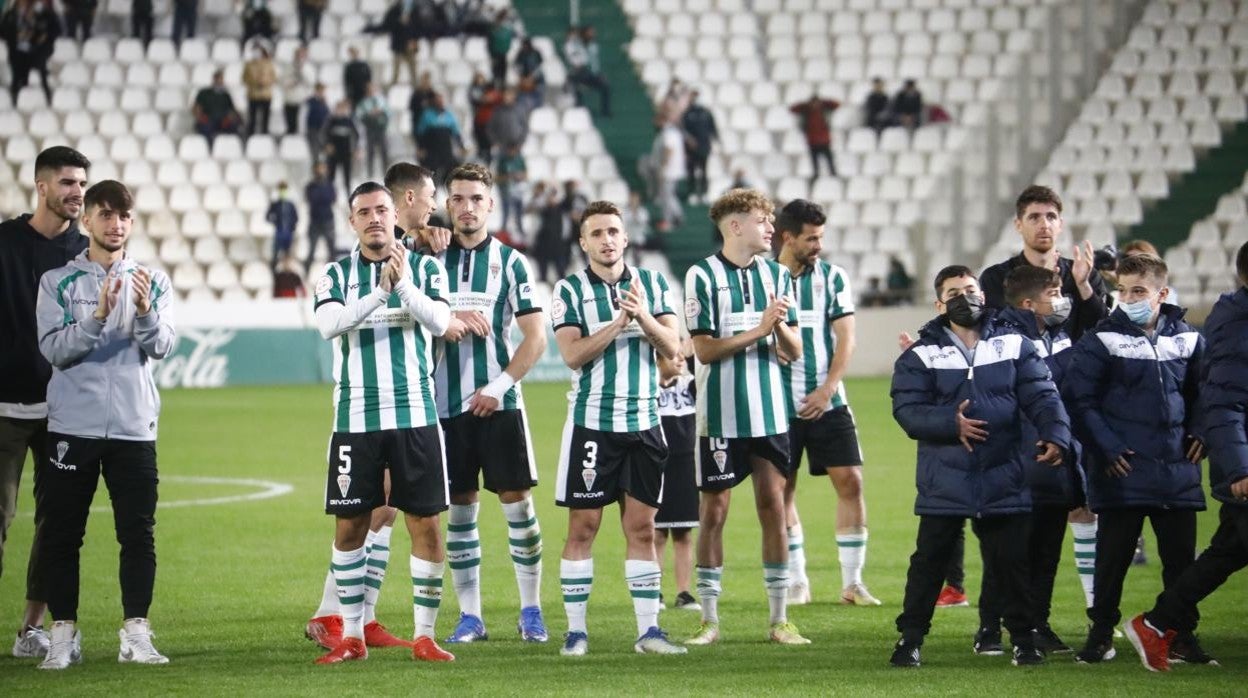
column 344, row 457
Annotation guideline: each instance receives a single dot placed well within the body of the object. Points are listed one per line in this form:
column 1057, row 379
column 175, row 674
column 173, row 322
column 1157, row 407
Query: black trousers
column 1044, row 547
column 1176, row 606
column 258, row 116
column 825, row 152
column 184, row 20
column 71, row 471
column 1116, row 535
column 17, row 436
column 342, row 160
column 319, row 231
column 955, row 572
column 141, row 28
column 999, row 538
column 695, row 171
column 291, row 113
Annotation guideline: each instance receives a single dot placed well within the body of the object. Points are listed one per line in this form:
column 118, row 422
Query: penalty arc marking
column 265, row 489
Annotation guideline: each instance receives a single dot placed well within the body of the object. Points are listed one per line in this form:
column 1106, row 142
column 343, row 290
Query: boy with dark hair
column 1224, row 399
column 1132, row 388
column 961, row 391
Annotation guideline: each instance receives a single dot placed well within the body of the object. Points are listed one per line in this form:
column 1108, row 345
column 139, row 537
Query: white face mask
column 1139, row 312
column 1061, row 311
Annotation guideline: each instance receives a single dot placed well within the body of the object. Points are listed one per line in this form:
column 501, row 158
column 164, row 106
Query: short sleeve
column 564, row 310
column 521, row 294
column 699, row 303
column 840, row 297
column 329, row 287
column 429, row 276
column 660, row 296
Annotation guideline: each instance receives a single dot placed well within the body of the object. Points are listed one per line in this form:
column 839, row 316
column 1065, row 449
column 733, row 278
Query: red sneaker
column 1152, row 646
column 376, row 635
column 325, row 631
column 350, row 649
column 951, row 596
column 425, row 649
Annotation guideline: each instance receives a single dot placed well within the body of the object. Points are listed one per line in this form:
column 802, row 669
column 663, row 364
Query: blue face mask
column 1139, row 312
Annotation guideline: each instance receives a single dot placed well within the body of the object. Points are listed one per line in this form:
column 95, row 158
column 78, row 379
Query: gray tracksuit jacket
column 102, row 385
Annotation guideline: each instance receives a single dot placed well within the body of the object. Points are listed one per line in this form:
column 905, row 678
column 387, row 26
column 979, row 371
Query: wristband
column 499, row 386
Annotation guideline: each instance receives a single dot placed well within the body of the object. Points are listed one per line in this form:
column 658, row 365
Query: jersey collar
column 595, row 279
column 731, row 265
column 481, row 246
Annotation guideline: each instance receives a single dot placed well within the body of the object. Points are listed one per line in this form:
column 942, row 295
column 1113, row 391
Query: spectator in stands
column 669, row 158
column 875, row 110
column 512, row 175
column 873, row 296
column 214, row 109
column 1132, row 249
column 740, row 180
column 257, row 20
column 142, row 19
column 185, row 17
column 502, row 33
column 315, row 116
column 573, row 205
column 899, row 282
column 550, row 249
column 813, row 114
column 483, row 96
column 580, row 49
column 319, row 194
column 30, row 30
column 636, row 220
column 674, row 103
column 400, row 23
column 342, row 141
column 532, row 77
column 310, row 12
column 509, row 124
column 908, row 106
column 700, row 132
column 297, row 81
column 79, row 17
column 286, row 282
column 420, row 100
column 259, row 76
column 373, row 113
column 356, row 75
column 283, row 217
column 438, row 140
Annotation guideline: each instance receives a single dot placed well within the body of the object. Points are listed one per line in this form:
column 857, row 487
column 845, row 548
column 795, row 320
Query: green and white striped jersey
column 822, row 294
column 495, row 280
column 742, row 395
column 617, row 391
column 383, row 369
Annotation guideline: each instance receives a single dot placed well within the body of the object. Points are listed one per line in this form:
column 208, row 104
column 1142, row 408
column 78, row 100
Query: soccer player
column 31, row 245
column 962, row 391
column 1038, row 311
column 414, row 202
column 382, row 306
column 678, row 512
column 102, row 319
column 1224, row 398
column 1132, row 386
column 738, row 307
column 823, row 424
column 610, row 320
column 480, row 403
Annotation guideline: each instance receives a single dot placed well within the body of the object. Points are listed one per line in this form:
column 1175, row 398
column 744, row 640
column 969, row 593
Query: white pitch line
column 268, row 490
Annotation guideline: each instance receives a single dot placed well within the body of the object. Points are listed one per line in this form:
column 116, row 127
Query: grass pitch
column 237, row 580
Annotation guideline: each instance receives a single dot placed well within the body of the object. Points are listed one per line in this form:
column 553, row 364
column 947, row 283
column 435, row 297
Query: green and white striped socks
column 348, row 568
column 377, row 548
column 1085, row 556
column 776, row 579
column 463, row 553
column 643, row 578
column 426, row 595
column 797, row 554
column 851, row 548
column 576, row 580
column 709, row 579
column 524, row 536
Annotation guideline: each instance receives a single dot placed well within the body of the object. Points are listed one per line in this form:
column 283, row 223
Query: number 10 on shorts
column 344, row 469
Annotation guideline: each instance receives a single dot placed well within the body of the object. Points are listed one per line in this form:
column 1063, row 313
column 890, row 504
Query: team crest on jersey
column 998, row 345
column 692, row 309
column 817, row 287
column 323, row 284
column 344, row 484
column 558, row 309
column 495, row 268
column 588, row 476
column 721, row 459
column 1181, row 343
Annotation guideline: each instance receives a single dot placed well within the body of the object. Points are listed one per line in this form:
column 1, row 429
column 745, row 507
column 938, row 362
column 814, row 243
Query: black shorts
column 496, row 448
column 680, row 491
column 596, row 467
column 722, row 464
column 829, row 441
column 355, row 483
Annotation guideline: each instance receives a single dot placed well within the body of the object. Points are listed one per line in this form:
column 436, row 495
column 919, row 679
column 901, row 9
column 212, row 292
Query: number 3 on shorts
column 591, row 454
column 344, row 456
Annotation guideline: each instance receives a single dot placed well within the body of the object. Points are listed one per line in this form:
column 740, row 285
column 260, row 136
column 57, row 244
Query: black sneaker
column 1186, row 649
column 1098, row 648
column 988, row 643
column 1048, row 642
column 1027, row 656
column 905, row 654
column 686, row 602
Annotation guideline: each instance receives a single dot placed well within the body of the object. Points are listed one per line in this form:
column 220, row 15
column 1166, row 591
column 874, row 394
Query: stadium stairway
column 1196, row 194
column 630, row 132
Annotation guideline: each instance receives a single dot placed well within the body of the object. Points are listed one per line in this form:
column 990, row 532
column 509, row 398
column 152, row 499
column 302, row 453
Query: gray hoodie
column 102, row 385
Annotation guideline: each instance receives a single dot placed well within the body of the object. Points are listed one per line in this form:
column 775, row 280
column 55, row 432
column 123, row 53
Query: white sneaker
column 64, row 646
column 136, row 644
column 31, row 642
column 799, row 594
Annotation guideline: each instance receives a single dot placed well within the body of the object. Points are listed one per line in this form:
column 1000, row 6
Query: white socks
column 329, row 596
column 643, row 584
column 776, row 579
column 851, row 548
column 524, row 537
column 463, row 553
column 708, row 592
column 797, row 555
column 377, row 548
column 426, row 595
column 576, row 580
column 1085, row 556
column 348, row 568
